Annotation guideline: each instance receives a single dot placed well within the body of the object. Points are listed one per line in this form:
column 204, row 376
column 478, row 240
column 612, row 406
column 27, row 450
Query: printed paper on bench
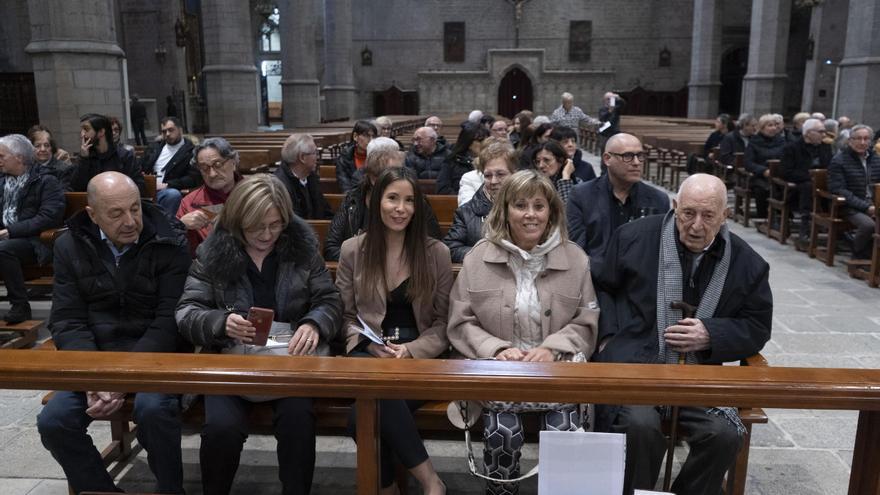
column 572, row 460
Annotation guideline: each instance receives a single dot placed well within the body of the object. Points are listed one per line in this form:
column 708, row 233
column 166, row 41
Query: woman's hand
column 568, row 170
column 240, row 329
column 62, row 155
column 304, row 340
column 380, row 351
column 195, row 220
column 538, row 354
column 400, row 351
column 510, row 354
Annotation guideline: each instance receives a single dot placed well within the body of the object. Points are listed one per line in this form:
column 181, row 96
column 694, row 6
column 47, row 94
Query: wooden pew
column 827, row 216
column 869, row 270
column 778, row 207
column 366, row 381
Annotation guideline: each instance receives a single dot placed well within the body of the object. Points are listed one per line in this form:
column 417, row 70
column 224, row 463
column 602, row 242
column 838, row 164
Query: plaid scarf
column 669, row 288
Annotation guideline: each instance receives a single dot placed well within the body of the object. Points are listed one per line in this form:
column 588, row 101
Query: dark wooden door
column 733, row 68
column 18, row 102
column 514, row 93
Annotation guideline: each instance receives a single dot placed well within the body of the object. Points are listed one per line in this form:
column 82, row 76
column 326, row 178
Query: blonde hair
column 524, row 184
column 767, row 119
column 251, row 200
column 494, row 148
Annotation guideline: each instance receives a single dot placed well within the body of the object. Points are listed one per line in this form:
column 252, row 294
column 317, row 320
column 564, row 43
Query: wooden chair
column 742, row 193
column 150, row 187
column 779, row 207
column 827, row 216
column 869, row 270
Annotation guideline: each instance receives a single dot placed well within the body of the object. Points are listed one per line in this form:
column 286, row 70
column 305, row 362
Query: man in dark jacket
column 98, row 154
column 852, row 174
column 738, row 140
column 799, row 156
column 427, row 155
column 709, row 268
column 30, row 201
column 299, row 163
column 767, row 144
column 119, row 272
column 138, row 120
column 169, row 160
column 597, row 208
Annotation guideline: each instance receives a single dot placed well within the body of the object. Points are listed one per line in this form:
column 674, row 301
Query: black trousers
column 13, row 254
column 863, row 238
column 226, row 430
column 713, row 440
column 760, row 188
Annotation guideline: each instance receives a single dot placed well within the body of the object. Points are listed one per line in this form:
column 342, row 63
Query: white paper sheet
column 368, row 332
column 604, row 126
column 576, row 463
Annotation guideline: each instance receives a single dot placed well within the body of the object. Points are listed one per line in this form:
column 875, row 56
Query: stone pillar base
column 233, row 104
column 338, row 102
column 763, row 93
column 703, row 100
column 301, row 102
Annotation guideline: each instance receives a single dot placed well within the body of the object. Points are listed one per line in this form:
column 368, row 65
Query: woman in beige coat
column 524, row 294
column 395, row 280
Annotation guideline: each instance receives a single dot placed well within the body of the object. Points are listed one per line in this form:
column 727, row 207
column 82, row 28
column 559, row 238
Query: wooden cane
column 687, row 311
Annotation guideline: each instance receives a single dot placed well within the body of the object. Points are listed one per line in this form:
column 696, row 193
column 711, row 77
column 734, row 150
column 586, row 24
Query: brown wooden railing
column 367, row 380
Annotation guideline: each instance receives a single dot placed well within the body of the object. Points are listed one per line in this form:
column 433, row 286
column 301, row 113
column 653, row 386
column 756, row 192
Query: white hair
column 19, row 146
column 567, row 96
column 475, row 116
column 818, row 115
column 382, row 143
column 541, row 119
column 811, row 124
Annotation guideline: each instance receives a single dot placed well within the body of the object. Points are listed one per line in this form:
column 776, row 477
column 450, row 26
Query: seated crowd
column 557, row 264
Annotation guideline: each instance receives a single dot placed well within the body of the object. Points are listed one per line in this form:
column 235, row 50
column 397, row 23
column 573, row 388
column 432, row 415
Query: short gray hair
column 810, row 124
column 567, row 96
column 744, row 119
column 831, row 125
column 19, row 146
column 475, row 116
column 382, row 143
column 218, row 144
column 859, row 127
column 294, row 146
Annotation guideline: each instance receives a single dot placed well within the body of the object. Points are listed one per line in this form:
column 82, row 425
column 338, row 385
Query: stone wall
column 15, row 33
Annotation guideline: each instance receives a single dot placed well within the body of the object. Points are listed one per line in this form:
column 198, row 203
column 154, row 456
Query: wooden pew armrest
column 48, row 237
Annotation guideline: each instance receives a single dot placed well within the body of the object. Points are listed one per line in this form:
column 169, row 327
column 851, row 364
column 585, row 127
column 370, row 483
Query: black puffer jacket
column 218, row 285
column 351, row 219
column 847, row 178
column 347, row 174
column 467, row 226
column 40, row 207
column 63, row 171
column 116, row 159
column 427, row 167
column 760, row 149
column 453, row 168
column 97, row 305
column 798, row 158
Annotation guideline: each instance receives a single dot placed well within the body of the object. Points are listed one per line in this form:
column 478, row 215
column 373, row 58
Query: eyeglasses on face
column 216, row 166
column 273, row 227
column 629, row 156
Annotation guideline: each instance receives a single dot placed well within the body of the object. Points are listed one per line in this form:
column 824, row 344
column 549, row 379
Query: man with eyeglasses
column 799, row 156
column 217, row 162
column 169, row 160
column 852, row 174
column 656, row 269
column 427, row 155
column 597, row 208
column 119, row 272
column 298, row 173
column 435, row 123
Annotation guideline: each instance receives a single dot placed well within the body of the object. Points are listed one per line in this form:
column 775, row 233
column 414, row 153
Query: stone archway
column 515, row 93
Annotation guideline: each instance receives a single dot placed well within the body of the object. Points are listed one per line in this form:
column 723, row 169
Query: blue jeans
column 169, row 200
column 62, row 425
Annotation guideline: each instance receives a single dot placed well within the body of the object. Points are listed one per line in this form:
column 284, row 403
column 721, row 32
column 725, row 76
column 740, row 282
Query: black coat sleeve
column 325, row 303
column 338, row 233
column 170, row 273
column 457, row 237
column 444, row 180
column 69, row 319
column 50, row 213
column 199, row 320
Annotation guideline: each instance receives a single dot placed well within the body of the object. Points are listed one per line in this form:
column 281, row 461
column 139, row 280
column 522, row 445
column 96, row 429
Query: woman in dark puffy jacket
column 461, row 160
column 767, row 144
column 351, row 217
column 353, row 157
column 259, row 255
column 497, row 161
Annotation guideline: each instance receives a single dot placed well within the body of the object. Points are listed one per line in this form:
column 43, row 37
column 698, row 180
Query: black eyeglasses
column 629, row 156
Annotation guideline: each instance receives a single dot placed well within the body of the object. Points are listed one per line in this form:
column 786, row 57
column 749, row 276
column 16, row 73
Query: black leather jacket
column 467, row 226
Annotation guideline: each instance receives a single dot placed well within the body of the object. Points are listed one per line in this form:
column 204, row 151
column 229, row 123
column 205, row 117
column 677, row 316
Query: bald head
column 625, row 157
column 700, row 210
column 115, row 207
column 621, row 140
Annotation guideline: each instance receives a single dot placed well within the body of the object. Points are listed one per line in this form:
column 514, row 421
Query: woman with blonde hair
column 259, row 256
column 524, row 293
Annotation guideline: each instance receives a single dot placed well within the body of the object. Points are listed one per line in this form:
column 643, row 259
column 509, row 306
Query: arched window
column 270, row 38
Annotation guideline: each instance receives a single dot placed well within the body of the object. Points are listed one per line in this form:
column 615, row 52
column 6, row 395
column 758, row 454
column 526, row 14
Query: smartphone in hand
column 262, row 320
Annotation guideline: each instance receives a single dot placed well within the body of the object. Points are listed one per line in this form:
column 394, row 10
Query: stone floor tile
column 770, row 435
column 848, row 324
column 819, row 433
column 802, row 472
column 18, row 486
column 848, row 345
column 813, row 361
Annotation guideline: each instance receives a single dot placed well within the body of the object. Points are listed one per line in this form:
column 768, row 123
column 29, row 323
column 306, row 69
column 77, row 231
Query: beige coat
column 431, row 318
column 481, row 319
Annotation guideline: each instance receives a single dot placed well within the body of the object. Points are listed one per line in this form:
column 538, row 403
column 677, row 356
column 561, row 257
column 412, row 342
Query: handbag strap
column 472, row 463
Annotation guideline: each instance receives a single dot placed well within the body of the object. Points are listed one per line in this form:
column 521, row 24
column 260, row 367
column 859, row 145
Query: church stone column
column 77, row 64
column 857, row 95
column 301, row 90
column 705, row 84
column 230, row 73
column 764, row 83
column 338, row 84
